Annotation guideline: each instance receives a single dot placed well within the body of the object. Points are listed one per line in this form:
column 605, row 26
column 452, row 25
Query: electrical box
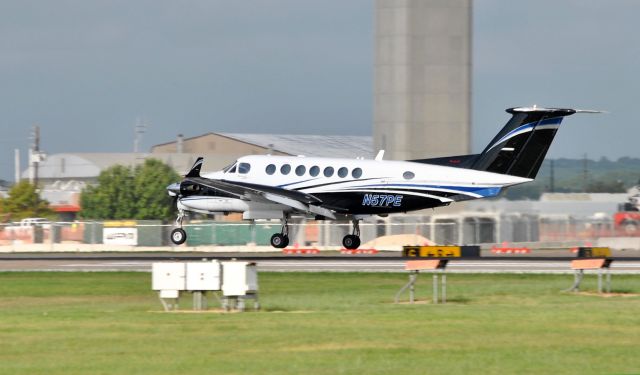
column 203, row 276
column 168, row 276
column 239, row 278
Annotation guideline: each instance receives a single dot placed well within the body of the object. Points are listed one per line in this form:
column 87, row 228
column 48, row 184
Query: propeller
column 174, row 192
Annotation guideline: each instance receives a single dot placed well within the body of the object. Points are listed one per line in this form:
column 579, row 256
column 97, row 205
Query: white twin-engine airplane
column 277, row 187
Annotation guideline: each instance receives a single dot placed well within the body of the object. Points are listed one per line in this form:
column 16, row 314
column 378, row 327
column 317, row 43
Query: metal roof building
column 339, row 146
column 239, row 144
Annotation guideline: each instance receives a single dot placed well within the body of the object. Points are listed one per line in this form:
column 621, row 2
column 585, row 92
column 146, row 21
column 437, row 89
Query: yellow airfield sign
column 440, row 251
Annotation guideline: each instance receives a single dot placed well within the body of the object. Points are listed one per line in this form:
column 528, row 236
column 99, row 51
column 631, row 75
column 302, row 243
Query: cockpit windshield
column 231, row 168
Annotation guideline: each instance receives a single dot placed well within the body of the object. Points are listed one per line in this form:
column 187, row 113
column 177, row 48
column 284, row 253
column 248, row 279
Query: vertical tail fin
column 521, row 145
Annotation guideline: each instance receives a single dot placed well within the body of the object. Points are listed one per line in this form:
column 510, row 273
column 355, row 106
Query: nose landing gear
column 352, row 241
column 178, row 235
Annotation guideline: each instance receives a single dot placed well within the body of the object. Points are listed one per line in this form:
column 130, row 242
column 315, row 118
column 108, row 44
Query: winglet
column 380, row 155
column 195, row 170
column 589, row 111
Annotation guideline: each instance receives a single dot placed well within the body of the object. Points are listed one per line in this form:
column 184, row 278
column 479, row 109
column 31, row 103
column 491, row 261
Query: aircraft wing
column 302, row 202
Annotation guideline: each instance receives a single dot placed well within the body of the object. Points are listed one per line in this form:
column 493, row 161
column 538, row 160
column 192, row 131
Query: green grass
column 319, row 323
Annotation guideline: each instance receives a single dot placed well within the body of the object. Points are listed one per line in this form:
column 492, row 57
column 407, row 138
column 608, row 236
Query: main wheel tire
column 356, row 242
column 279, row 241
column 178, row 236
column 351, row 242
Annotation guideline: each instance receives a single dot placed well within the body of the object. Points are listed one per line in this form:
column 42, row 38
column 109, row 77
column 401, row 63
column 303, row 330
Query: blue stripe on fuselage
column 480, row 190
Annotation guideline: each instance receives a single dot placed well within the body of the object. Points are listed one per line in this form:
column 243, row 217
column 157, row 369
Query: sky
column 86, row 71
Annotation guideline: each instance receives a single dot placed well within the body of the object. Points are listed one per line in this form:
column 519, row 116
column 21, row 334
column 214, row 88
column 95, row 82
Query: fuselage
column 365, row 186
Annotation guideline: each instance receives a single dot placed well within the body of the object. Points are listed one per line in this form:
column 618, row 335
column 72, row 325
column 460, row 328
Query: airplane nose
column 173, row 189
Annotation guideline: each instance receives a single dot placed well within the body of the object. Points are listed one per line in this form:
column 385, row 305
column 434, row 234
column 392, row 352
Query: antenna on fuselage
column 380, row 155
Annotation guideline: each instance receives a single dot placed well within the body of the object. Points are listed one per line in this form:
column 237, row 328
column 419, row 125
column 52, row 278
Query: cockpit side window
column 244, row 168
column 233, row 169
column 228, row 167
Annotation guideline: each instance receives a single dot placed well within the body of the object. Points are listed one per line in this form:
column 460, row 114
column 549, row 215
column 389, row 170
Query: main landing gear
column 178, row 235
column 281, row 240
column 352, row 241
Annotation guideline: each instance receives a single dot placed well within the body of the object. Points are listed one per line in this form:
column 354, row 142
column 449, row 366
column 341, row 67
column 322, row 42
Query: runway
column 302, row 264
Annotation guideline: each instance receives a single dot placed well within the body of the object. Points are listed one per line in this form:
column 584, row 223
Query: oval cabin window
column 314, row 171
column 271, row 169
column 300, row 170
column 328, row 171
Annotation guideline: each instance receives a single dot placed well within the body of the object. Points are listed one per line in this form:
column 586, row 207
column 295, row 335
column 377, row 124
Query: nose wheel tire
column 178, row 236
column 279, row 240
column 351, row 242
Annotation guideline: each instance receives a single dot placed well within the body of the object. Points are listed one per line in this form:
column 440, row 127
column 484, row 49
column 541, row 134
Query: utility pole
column 35, row 155
column 139, row 129
column 33, row 151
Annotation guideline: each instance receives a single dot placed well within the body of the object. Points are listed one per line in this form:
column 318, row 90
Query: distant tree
column 4, row 216
column 130, row 193
column 113, row 196
column 24, row 201
column 530, row 191
column 601, row 186
column 151, row 180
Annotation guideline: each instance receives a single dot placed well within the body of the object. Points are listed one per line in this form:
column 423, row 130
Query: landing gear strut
column 281, row 240
column 178, row 235
column 352, row 241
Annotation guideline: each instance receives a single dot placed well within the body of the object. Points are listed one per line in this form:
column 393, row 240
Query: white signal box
column 239, row 278
column 168, row 276
column 203, row 276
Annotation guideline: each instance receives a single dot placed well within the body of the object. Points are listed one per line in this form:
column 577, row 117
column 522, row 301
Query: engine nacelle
column 250, row 210
column 212, row 204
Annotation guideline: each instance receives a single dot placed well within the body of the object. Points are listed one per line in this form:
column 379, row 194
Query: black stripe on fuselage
column 354, row 203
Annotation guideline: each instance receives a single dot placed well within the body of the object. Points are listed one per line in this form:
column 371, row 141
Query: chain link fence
column 461, row 229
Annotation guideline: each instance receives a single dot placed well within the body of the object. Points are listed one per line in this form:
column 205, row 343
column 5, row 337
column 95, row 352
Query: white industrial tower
column 422, row 88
